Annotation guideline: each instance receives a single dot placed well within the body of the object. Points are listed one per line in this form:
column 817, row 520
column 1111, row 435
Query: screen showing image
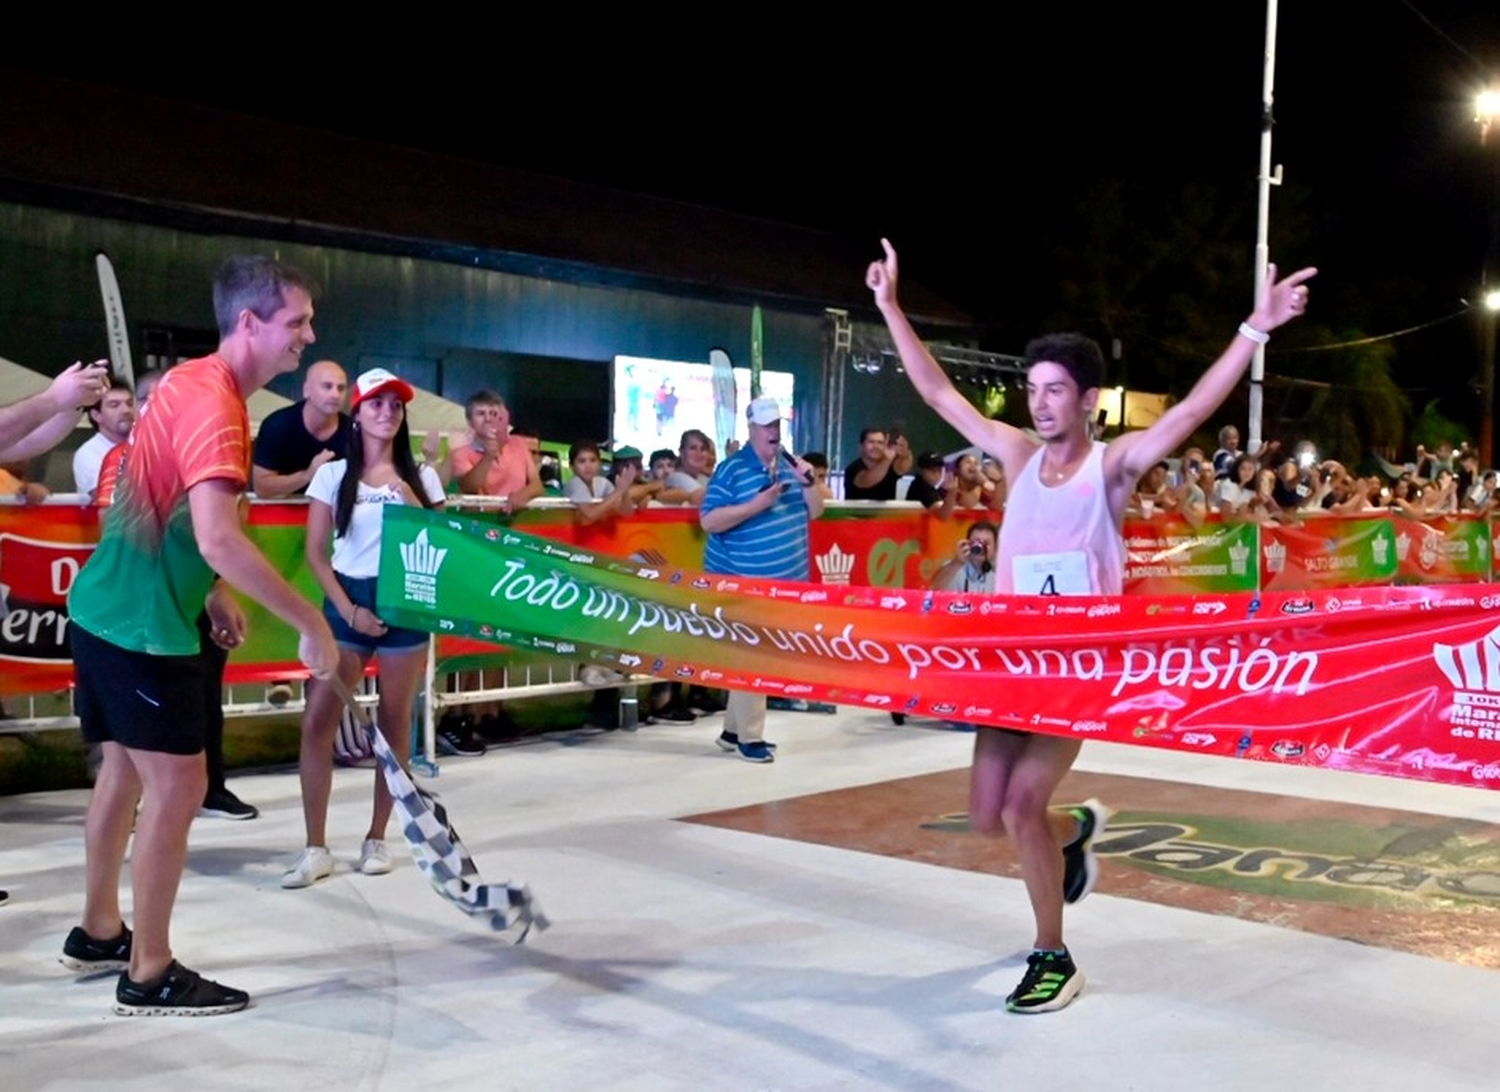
column 655, row 401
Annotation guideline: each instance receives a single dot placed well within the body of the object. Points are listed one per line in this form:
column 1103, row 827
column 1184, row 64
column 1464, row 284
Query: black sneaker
column 1080, row 866
column 178, row 992
column 223, row 804
column 672, row 714
column 1050, row 982
column 455, row 736
column 82, row 952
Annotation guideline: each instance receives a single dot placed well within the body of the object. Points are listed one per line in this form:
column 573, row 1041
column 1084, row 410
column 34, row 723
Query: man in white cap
column 755, row 511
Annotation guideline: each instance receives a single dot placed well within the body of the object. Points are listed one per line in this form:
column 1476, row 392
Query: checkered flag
column 439, row 851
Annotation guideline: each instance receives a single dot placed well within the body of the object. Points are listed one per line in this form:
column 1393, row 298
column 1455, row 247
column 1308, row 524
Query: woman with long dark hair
column 346, row 499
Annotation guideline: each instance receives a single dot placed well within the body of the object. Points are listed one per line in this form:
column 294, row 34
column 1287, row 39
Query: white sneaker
column 315, row 864
column 374, row 857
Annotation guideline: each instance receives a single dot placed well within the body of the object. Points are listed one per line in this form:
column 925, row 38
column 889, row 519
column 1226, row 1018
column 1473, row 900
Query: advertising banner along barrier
column 1396, row 681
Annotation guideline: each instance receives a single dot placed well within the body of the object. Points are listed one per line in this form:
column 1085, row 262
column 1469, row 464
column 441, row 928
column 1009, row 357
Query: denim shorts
column 361, row 592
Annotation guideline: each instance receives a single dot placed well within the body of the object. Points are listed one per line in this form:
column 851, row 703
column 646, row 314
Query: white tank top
column 1060, row 540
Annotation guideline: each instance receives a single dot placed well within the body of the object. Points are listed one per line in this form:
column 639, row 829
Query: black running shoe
column 178, row 992
column 455, row 736
column 223, row 804
column 1080, row 866
column 82, row 952
column 1050, row 982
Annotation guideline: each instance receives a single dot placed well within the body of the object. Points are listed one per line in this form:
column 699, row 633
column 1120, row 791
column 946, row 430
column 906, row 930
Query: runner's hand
column 1280, row 301
column 882, row 276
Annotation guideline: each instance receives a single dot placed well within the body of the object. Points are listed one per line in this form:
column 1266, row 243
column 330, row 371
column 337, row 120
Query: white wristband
column 1260, row 337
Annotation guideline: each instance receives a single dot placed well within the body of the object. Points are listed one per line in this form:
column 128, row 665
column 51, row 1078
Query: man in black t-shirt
column 294, row 441
column 925, row 487
column 873, row 475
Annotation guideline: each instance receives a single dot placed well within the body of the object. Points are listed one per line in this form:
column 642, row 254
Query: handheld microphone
column 787, row 455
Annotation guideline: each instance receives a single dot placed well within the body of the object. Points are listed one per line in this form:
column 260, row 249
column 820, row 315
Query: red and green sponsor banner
column 1397, row 681
column 1327, row 552
column 43, row 547
column 1169, row 555
column 1442, row 549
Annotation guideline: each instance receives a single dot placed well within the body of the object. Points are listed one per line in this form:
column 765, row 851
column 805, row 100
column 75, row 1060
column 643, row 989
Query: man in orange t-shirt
column 175, row 524
column 494, row 462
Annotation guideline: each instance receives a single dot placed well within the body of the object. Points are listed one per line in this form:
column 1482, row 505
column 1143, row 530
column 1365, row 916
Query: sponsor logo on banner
column 421, row 560
column 1239, row 558
column 1380, row 549
column 1275, row 557
column 1432, row 549
column 1403, row 546
column 35, row 578
column 1473, row 670
column 835, row 565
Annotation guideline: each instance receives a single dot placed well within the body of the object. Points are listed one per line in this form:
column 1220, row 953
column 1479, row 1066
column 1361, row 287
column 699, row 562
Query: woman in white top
column 1236, row 493
column 347, row 498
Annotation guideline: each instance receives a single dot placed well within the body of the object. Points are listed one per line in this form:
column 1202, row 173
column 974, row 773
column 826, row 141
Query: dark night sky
column 967, row 142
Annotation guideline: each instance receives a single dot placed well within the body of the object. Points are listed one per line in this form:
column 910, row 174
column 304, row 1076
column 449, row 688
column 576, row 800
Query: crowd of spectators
column 1280, row 482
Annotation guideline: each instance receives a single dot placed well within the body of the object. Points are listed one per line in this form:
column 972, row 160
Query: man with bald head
column 295, row 441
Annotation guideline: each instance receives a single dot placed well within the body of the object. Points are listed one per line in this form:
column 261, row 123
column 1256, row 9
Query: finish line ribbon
column 1397, row 681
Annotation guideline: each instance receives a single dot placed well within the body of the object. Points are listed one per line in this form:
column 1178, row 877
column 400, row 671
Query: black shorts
column 145, row 702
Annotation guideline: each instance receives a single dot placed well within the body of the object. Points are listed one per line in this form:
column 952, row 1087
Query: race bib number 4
column 1051, row 574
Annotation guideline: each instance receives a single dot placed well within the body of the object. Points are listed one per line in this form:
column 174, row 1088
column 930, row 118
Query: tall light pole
column 1263, row 222
column 1487, row 114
